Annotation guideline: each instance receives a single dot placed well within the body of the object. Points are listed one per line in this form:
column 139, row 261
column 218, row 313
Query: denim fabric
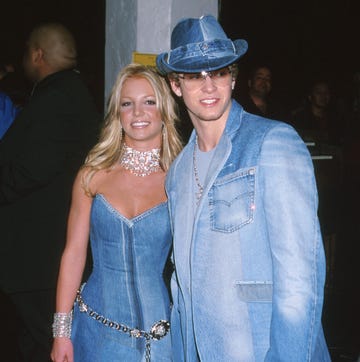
column 126, row 284
column 200, row 44
column 250, row 266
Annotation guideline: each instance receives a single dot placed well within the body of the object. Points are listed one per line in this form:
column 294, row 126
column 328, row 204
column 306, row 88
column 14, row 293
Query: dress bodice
column 126, row 284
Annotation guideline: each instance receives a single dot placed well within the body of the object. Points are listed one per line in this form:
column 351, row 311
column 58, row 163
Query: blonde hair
column 107, row 152
column 57, row 43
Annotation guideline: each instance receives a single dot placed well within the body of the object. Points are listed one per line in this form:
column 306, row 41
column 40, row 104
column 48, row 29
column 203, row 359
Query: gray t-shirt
column 202, row 160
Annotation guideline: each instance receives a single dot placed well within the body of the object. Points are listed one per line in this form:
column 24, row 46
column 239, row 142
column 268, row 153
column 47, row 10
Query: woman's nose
column 137, row 109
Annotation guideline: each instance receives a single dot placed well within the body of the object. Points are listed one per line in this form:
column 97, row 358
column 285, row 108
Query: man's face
column 260, row 84
column 30, row 63
column 209, row 99
column 320, row 95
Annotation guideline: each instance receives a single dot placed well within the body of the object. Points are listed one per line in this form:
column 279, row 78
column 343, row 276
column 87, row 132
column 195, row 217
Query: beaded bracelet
column 61, row 326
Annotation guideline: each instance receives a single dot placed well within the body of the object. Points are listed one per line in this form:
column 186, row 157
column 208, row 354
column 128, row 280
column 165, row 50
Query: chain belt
column 157, row 331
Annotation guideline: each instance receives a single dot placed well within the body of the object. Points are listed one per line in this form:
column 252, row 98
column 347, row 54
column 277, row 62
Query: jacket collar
column 50, row 78
column 233, row 122
column 222, row 152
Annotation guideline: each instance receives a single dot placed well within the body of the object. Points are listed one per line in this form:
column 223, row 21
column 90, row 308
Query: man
column 249, row 261
column 39, row 156
column 258, row 99
column 318, row 119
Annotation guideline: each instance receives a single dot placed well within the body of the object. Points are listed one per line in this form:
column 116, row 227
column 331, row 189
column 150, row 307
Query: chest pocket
column 231, row 201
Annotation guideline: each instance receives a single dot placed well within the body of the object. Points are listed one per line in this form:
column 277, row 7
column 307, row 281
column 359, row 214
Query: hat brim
column 196, row 61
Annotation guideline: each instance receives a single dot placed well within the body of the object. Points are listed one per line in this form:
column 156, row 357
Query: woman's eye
column 125, row 104
column 151, row 102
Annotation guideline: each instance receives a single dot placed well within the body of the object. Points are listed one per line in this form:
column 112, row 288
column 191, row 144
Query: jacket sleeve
column 8, row 112
column 290, row 202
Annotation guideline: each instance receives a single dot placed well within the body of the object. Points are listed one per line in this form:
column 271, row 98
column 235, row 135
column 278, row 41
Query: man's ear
column 233, row 84
column 37, row 55
column 174, row 83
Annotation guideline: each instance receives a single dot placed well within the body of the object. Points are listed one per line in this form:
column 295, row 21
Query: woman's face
column 139, row 114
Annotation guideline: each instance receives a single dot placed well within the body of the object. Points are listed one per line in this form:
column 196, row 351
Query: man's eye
column 221, row 73
column 193, row 76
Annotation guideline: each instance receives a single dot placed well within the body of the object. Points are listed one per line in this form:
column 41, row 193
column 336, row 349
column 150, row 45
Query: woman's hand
column 62, row 350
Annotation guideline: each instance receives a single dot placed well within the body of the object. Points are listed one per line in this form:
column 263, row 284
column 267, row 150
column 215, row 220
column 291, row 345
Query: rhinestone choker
column 140, row 163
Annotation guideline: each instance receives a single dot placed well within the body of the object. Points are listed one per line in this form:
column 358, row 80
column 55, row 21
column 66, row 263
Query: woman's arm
column 72, row 263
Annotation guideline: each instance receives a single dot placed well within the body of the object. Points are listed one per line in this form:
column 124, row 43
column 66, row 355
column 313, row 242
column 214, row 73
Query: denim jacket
column 249, row 261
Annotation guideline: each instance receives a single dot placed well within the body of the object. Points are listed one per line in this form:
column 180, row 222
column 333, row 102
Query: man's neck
column 259, row 101
column 319, row 112
column 209, row 135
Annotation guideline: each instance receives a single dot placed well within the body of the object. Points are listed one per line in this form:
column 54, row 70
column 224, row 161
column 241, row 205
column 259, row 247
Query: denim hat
column 200, row 44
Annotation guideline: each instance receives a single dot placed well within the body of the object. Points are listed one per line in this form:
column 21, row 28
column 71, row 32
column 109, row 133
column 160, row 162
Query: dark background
column 299, row 41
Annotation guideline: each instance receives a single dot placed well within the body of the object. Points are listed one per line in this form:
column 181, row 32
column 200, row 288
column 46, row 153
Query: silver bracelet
column 61, row 326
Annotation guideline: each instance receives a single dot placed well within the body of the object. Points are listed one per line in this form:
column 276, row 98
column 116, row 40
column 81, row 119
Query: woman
column 119, row 201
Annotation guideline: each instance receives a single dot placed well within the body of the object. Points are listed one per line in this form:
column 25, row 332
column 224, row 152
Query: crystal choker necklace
column 140, row 163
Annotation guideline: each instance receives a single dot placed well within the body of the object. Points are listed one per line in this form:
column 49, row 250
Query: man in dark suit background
column 259, row 98
column 39, row 156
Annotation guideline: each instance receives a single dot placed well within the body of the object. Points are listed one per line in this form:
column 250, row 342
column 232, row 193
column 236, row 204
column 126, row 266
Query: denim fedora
column 199, row 44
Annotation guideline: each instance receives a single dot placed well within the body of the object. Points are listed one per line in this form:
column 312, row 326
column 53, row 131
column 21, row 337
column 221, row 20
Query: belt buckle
column 159, row 329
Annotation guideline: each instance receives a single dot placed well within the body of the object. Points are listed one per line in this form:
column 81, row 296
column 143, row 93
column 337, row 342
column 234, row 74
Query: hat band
column 214, row 48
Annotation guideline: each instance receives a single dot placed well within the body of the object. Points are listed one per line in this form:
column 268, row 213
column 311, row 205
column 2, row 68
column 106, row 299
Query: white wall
column 120, row 37
column 144, row 26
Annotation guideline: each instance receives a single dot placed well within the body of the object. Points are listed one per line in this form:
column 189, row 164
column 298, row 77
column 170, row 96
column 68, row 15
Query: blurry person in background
column 259, row 99
column 39, row 156
column 318, row 119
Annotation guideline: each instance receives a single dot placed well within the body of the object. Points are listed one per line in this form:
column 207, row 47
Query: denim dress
column 126, row 285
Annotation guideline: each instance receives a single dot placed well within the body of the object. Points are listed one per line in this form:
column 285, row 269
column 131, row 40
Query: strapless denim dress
column 126, row 285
